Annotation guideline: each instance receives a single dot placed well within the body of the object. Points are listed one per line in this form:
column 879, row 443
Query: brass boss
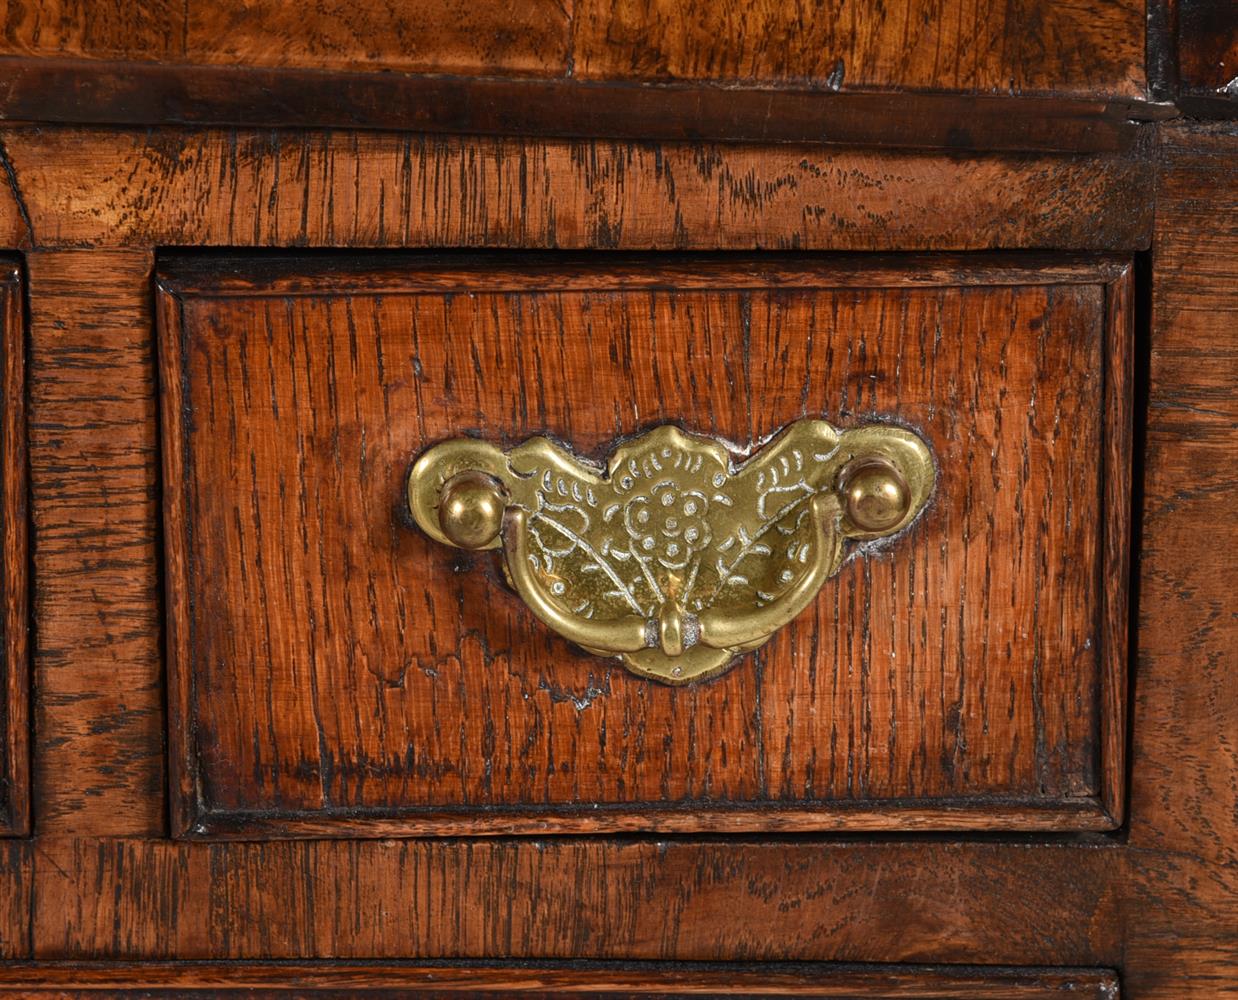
column 471, row 509
column 875, row 494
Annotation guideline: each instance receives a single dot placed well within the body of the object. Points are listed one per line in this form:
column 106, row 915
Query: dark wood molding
column 584, row 979
column 14, row 581
column 134, row 93
column 1161, row 50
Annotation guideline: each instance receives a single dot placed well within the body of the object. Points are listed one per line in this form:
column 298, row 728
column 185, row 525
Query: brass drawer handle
column 675, row 558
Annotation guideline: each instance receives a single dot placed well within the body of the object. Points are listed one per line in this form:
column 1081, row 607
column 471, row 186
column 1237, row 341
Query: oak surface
column 1157, row 900
column 178, row 187
column 1207, row 57
column 14, row 570
column 441, row 36
column 333, row 671
column 1050, row 46
column 17, row 878
column 598, row 980
column 1184, row 768
column 127, row 93
column 94, row 465
column 989, row 47
column 880, row 900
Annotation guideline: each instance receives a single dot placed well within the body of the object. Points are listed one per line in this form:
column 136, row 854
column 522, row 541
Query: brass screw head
column 470, row 509
column 875, row 494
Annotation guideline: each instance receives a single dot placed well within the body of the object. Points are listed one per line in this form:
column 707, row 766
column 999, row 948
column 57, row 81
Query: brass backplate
column 678, row 556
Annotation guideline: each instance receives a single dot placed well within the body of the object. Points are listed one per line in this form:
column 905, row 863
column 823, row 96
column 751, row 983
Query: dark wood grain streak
column 77, row 92
column 14, row 222
column 331, row 674
column 542, row 982
column 170, row 187
column 441, row 272
column 14, row 567
column 98, row 661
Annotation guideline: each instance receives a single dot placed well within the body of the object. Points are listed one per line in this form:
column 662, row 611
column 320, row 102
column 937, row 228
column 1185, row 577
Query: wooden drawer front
column 335, row 672
column 14, row 668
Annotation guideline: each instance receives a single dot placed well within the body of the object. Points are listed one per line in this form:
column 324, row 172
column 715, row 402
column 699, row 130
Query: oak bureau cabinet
column 619, row 499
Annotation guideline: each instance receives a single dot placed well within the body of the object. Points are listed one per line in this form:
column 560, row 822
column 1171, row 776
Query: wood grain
column 1164, row 917
column 128, row 93
column 1094, row 47
column 909, row 44
column 14, row 223
column 608, row 981
column 1188, row 635
column 1157, row 900
column 334, row 672
column 418, row 36
column 882, row 901
column 17, row 877
column 14, row 568
column 1184, row 778
column 1116, row 489
column 1207, row 50
column 98, row 661
column 171, row 187
column 152, row 29
column 484, row 36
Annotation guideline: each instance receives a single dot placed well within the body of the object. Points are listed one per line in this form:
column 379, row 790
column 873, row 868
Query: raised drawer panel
column 333, row 671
